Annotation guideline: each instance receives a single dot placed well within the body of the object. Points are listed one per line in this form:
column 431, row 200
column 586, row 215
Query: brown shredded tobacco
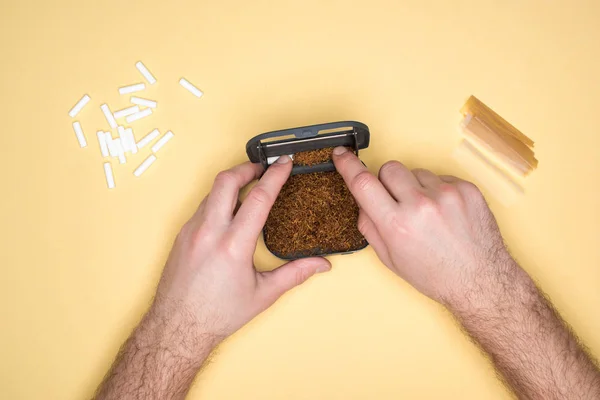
column 313, row 157
column 314, row 214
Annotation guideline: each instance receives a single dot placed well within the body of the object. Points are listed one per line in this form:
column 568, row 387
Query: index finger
column 223, row 196
column 252, row 215
column 368, row 191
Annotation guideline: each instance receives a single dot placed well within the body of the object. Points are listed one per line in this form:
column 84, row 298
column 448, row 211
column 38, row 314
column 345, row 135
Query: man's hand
column 438, row 233
column 209, row 288
column 210, row 271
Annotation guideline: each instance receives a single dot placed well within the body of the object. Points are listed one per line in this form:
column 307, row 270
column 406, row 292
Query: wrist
column 174, row 329
column 490, row 286
column 161, row 358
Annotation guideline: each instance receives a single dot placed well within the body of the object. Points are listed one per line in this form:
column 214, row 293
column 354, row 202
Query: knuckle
column 470, row 189
column 201, row 236
column 364, row 225
column 448, row 188
column 450, row 192
column 227, row 247
column 225, row 178
column 195, row 234
column 425, row 204
column 417, row 171
column 259, row 195
column 300, row 276
column 362, row 182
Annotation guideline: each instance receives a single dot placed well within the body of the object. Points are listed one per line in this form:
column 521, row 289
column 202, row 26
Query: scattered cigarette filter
column 110, row 143
column 148, row 138
column 162, row 141
column 120, row 150
column 139, row 115
column 190, row 87
column 102, row 143
column 123, row 137
column 110, row 179
column 126, row 111
column 143, row 102
column 80, row 104
column 125, row 142
column 144, row 165
column 109, row 116
column 131, row 141
column 132, row 88
column 79, row 134
column 144, row 71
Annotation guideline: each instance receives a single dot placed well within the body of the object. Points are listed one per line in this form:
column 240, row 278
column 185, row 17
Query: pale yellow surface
column 80, row 262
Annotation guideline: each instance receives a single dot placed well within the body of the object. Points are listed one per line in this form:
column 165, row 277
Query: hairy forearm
column 160, row 359
column 531, row 346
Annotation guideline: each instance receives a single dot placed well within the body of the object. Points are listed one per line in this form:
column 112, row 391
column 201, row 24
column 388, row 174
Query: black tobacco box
column 315, row 213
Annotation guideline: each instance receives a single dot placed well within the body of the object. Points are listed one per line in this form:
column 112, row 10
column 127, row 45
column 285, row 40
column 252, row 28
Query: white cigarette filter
column 102, row 143
column 120, row 150
column 79, row 134
column 144, row 71
column 139, row 115
column 131, row 141
column 148, row 138
column 80, row 104
column 109, row 116
column 110, row 143
column 126, row 111
column 162, row 141
column 110, row 179
column 123, row 137
column 143, row 102
column 144, row 165
column 132, row 88
column 191, row 88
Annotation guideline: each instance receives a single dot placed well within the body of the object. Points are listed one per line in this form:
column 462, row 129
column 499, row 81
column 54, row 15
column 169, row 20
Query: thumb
column 275, row 283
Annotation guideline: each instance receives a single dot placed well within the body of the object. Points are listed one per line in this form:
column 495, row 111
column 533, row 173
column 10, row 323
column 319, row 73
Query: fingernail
column 338, row 151
column 283, row 159
column 322, row 268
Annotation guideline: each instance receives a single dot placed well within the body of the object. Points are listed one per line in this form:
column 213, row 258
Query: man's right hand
column 436, row 232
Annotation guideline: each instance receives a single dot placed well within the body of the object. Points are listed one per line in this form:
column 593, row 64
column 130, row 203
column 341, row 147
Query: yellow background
column 80, row 262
